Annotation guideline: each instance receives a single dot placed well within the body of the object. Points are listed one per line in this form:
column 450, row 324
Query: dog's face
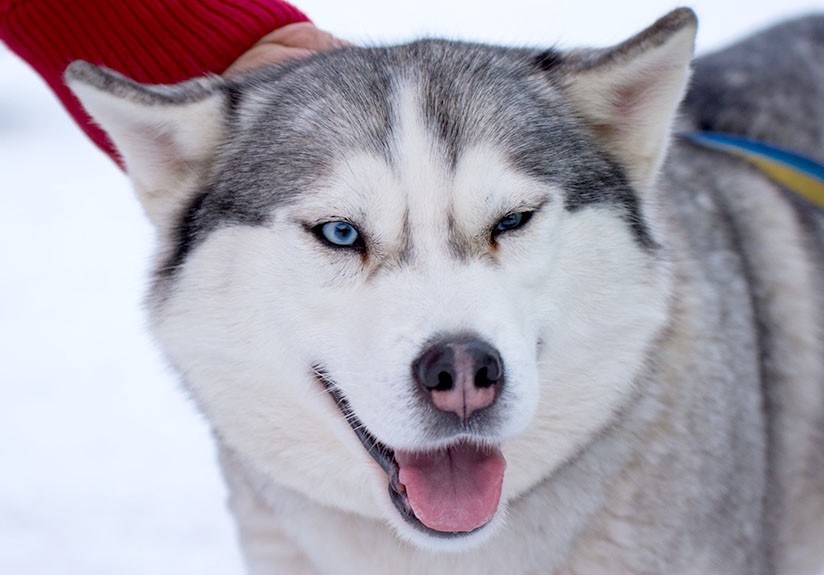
column 408, row 282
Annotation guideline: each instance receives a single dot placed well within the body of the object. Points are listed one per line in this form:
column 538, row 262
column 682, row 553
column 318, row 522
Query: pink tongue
column 456, row 490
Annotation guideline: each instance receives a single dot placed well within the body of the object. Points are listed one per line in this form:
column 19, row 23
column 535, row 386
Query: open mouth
column 447, row 493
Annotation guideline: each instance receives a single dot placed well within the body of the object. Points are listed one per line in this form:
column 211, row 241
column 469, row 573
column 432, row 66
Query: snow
column 105, row 466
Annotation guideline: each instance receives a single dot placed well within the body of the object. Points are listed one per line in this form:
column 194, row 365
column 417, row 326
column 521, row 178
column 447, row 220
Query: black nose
column 461, row 376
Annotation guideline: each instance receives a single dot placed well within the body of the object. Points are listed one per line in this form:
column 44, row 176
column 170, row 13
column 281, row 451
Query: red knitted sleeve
column 151, row 41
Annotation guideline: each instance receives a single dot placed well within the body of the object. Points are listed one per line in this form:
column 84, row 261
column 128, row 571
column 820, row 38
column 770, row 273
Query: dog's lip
column 384, row 457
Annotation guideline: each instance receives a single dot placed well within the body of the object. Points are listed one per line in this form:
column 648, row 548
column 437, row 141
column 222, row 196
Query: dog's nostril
column 444, row 381
column 482, row 378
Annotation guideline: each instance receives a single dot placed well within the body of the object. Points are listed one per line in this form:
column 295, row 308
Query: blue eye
column 512, row 221
column 341, row 234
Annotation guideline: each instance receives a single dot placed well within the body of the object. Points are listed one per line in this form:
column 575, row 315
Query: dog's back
column 769, row 87
column 741, row 226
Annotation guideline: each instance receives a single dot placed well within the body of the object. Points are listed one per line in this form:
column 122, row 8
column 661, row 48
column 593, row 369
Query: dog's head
column 408, row 282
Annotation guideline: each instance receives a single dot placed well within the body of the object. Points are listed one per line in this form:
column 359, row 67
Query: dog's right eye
column 339, row 234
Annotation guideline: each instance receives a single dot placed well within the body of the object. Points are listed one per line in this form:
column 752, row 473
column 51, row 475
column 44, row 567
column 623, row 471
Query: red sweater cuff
column 152, row 41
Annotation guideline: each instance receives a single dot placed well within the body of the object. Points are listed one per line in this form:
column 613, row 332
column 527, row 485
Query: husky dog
column 448, row 310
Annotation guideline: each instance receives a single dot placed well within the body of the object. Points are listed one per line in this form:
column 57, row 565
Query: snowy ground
column 104, row 466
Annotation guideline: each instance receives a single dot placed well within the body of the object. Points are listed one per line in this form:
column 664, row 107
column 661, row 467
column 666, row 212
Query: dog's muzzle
column 452, row 491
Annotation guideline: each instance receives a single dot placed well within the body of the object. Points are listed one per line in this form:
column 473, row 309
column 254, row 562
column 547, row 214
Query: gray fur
column 149, row 94
column 339, row 101
column 767, row 88
column 715, row 464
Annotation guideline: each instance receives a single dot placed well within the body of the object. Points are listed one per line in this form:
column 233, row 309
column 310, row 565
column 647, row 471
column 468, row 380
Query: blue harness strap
column 795, row 172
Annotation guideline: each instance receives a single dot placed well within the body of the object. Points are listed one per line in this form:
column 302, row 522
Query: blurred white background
column 105, row 468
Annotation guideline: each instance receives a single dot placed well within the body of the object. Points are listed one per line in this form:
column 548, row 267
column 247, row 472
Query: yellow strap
column 791, row 178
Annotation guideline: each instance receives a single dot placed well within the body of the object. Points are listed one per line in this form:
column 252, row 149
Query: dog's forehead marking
column 454, row 186
column 423, row 176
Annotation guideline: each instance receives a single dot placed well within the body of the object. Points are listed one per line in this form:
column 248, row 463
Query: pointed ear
column 629, row 93
column 166, row 135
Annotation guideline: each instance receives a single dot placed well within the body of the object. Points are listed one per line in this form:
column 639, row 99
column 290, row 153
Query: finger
column 263, row 55
column 303, row 35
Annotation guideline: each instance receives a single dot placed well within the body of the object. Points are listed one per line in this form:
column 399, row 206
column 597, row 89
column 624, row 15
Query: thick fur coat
column 388, row 274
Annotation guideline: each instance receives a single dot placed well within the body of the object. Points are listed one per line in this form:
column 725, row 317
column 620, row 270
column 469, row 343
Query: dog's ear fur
column 629, row 93
column 165, row 135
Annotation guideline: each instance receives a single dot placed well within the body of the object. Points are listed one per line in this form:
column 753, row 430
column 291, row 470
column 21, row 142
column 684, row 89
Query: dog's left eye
column 340, row 234
column 512, row 221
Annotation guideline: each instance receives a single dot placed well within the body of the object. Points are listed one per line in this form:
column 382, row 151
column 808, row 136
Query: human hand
column 290, row 42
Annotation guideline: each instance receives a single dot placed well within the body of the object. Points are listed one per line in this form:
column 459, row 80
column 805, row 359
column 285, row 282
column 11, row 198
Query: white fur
column 572, row 302
column 585, row 295
column 164, row 147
